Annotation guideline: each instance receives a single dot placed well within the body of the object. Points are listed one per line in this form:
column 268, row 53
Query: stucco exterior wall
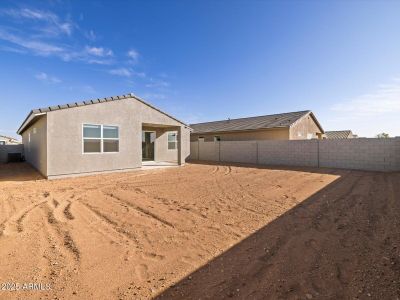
column 65, row 143
column 161, row 151
column 304, row 129
column 266, row 134
column 185, row 132
column 34, row 140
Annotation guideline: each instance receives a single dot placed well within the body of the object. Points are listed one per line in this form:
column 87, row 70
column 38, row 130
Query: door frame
column 154, row 150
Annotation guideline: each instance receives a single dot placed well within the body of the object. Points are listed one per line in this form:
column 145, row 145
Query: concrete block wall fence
column 359, row 154
column 5, row 149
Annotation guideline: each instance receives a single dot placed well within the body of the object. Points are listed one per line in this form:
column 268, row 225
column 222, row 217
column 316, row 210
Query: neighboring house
column 5, row 140
column 339, row 134
column 287, row 126
column 108, row 134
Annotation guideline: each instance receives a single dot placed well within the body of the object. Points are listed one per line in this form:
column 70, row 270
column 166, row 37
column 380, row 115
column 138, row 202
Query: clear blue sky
column 207, row 60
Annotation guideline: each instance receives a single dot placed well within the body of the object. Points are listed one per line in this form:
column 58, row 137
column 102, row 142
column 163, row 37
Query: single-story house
column 6, row 140
column 340, row 134
column 299, row 125
column 101, row 135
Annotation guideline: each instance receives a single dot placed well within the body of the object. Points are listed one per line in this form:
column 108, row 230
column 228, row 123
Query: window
column 2, row 142
column 110, row 139
column 172, row 140
column 100, row 138
column 217, row 138
column 91, row 138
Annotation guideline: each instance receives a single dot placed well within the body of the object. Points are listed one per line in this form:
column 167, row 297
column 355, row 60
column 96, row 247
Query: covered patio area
column 161, row 145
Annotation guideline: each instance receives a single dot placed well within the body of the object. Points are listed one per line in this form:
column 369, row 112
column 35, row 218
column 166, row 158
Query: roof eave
column 42, row 111
column 240, row 130
column 157, row 109
column 31, row 116
column 317, row 122
column 310, row 113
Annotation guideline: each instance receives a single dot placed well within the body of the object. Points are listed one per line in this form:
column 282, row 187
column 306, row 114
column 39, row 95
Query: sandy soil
column 202, row 231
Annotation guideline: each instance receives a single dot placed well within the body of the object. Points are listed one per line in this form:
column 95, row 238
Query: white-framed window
column 172, row 140
column 100, row 138
column 110, row 138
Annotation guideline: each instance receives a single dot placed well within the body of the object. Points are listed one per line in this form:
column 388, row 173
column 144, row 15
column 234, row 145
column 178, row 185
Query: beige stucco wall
column 65, row 144
column 161, row 151
column 301, row 129
column 185, row 144
column 35, row 148
column 266, row 134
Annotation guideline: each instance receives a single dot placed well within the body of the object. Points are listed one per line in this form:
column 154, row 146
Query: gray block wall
column 288, row 153
column 240, row 151
column 5, row 149
column 359, row 154
column 208, row 151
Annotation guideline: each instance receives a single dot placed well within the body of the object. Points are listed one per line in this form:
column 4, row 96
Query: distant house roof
column 41, row 111
column 339, row 134
column 253, row 123
column 8, row 138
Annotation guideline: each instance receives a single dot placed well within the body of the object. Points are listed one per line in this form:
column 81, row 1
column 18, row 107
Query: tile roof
column 7, row 137
column 338, row 134
column 44, row 110
column 82, row 103
column 251, row 123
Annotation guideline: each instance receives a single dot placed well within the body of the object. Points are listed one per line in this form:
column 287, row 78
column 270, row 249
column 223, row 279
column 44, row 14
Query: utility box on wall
column 14, row 157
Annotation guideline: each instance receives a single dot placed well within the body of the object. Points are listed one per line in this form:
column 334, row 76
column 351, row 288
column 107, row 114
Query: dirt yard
column 201, row 231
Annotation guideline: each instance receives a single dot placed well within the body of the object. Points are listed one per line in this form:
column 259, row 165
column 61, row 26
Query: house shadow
column 339, row 243
column 20, row 171
column 318, row 170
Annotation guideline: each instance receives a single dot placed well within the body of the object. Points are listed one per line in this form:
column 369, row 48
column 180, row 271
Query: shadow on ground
column 343, row 242
column 318, row 170
column 18, row 172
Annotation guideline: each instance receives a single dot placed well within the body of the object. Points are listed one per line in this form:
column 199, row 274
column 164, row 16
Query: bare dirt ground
column 202, row 231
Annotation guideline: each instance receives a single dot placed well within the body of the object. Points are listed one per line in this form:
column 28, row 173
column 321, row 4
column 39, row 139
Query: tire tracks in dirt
column 141, row 210
column 63, row 233
column 120, row 229
column 67, row 211
column 17, row 219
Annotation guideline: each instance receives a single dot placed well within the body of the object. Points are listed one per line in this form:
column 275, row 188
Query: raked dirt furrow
column 14, row 224
column 116, row 227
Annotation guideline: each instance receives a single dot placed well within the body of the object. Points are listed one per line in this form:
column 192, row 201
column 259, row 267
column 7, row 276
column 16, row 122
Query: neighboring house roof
column 283, row 120
column 41, row 111
column 12, row 140
column 339, row 134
